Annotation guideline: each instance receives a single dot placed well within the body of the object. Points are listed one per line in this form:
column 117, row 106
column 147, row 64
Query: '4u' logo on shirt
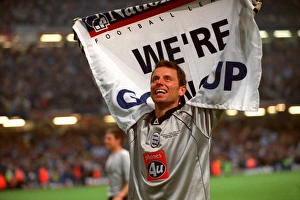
column 156, row 165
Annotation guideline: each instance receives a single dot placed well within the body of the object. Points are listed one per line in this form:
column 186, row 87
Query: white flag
column 217, row 43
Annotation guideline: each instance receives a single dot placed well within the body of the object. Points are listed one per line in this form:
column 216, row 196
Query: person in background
column 117, row 165
column 2, row 182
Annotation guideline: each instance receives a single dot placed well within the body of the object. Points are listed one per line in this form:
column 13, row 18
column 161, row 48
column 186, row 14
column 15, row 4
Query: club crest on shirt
column 155, row 140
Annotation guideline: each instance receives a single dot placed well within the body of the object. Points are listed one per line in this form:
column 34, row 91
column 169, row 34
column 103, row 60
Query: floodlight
column 282, row 34
column 294, row 110
column 260, row 112
column 14, row 123
column 65, row 120
column 51, row 38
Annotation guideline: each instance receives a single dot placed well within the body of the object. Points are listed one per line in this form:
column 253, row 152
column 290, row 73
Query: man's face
column 165, row 89
column 111, row 142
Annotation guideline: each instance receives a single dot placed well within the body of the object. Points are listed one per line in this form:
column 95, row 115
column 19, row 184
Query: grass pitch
column 277, row 186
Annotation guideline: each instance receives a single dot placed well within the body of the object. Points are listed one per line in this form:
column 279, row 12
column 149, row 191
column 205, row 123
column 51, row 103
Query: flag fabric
column 217, row 43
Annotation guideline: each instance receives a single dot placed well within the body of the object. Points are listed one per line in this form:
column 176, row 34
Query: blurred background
column 42, row 80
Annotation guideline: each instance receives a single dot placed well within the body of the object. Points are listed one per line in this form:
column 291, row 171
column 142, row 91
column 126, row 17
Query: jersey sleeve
column 205, row 119
column 126, row 165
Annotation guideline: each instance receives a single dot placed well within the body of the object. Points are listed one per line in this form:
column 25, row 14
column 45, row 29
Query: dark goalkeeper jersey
column 170, row 155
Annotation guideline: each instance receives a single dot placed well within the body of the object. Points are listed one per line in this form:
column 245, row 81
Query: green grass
column 77, row 193
column 277, row 186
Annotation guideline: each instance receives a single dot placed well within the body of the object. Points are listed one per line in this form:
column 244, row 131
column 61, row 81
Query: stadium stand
column 50, row 78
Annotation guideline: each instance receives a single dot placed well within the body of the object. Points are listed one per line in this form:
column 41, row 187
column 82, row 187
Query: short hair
column 117, row 132
column 180, row 73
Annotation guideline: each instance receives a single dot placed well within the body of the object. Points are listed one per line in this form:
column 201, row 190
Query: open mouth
column 160, row 92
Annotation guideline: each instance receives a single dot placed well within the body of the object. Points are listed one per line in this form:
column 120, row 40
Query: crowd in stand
column 46, row 78
column 279, row 15
column 57, row 78
column 52, row 13
column 251, row 143
column 50, row 157
column 43, row 79
column 60, row 13
column 281, row 72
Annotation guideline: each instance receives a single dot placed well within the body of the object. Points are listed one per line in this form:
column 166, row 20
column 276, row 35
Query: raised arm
column 257, row 6
column 75, row 37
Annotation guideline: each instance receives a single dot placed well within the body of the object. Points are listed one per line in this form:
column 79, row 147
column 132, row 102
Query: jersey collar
column 167, row 115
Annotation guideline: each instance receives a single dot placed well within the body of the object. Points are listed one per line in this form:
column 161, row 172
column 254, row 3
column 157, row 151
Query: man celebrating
column 169, row 145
